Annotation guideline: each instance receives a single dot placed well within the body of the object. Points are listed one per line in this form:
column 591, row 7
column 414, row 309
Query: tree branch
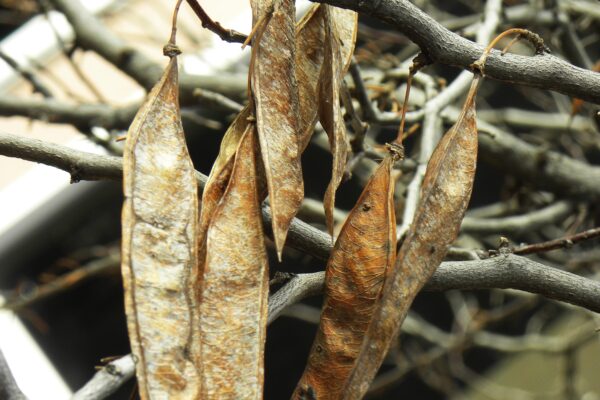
column 106, row 381
column 445, row 47
column 502, row 272
column 517, row 224
column 93, row 35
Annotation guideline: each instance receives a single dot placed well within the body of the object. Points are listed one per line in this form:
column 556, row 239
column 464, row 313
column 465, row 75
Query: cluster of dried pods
column 196, row 279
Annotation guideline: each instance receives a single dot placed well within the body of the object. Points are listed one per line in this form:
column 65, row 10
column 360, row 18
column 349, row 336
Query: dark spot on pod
column 431, row 249
column 307, row 393
column 366, row 207
column 319, row 349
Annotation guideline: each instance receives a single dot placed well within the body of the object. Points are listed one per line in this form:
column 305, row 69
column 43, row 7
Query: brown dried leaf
column 355, row 274
column 159, row 247
column 330, row 112
column 444, row 199
column 275, row 94
column 235, row 285
column 310, row 37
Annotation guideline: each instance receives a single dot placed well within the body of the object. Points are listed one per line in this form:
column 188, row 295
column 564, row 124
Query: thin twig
column 29, row 76
column 562, row 243
column 106, row 381
column 228, row 35
column 62, row 283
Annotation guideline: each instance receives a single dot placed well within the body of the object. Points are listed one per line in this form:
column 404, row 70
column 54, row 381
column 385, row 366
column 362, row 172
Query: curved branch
column 445, row 47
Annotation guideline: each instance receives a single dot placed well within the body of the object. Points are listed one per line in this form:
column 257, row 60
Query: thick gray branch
column 445, row 47
column 81, row 165
column 502, row 272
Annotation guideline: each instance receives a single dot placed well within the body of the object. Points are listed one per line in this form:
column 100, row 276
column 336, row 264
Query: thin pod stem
column 418, row 62
column 172, row 39
column 532, row 37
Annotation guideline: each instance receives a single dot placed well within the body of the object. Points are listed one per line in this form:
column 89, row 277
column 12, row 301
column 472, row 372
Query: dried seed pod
column 310, row 37
column 444, row 199
column 221, row 171
column 235, row 286
column 159, row 262
column 275, row 95
column 355, row 273
column 330, row 112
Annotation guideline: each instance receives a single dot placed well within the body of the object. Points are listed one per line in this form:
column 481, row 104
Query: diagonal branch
column 93, row 35
column 445, row 47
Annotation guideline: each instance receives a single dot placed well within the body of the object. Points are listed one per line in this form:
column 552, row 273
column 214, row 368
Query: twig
column 62, row 283
column 83, row 116
column 518, row 224
column 217, row 99
column 228, row 35
column 68, row 53
column 106, row 381
column 503, row 272
column 29, row 76
column 562, row 243
column 9, row 389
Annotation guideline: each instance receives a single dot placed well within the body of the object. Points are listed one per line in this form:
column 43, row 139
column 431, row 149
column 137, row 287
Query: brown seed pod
column 444, row 199
column 235, row 286
column 355, row 273
column 330, row 111
column 275, row 95
column 310, row 53
column 159, row 262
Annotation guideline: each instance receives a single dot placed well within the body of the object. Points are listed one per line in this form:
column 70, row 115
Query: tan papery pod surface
column 363, row 252
column 275, row 94
column 235, row 286
column 159, row 247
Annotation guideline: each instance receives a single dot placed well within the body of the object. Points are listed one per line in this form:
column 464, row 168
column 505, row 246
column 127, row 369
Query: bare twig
column 228, row 35
column 542, row 168
column 562, row 243
column 64, row 282
column 29, row 76
column 432, row 126
column 106, row 381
